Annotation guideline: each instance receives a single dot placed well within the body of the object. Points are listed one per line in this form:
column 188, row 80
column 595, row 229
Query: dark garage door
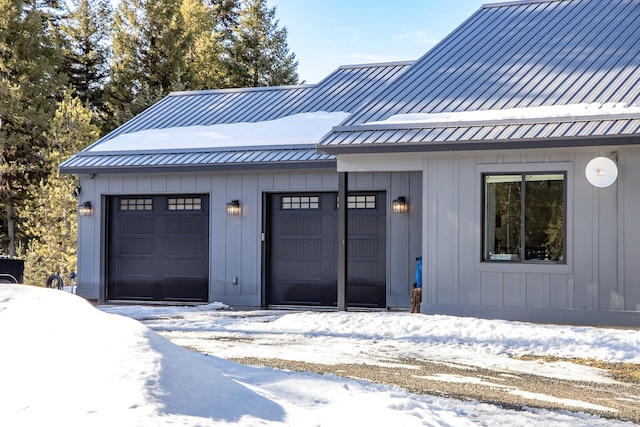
column 158, row 248
column 302, row 261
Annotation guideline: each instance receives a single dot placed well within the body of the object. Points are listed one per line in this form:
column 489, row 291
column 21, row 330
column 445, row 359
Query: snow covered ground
column 65, row 363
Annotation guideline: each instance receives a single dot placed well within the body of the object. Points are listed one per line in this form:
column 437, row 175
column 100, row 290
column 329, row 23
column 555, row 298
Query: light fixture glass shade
column 601, row 172
column 233, row 207
column 399, row 205
column 85, row 209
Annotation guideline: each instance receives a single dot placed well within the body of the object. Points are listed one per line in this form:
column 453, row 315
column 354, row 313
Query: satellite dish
column 601, row 172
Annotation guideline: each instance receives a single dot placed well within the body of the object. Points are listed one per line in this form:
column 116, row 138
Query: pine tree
column 86, row 46
column 29, row 82
column 260, row 54
column 50, row 219
column 148, row 55
column 207, row 35
column 226, row 13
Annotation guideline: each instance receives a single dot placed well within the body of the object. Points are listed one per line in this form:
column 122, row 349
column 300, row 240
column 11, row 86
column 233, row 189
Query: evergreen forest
column 73, row 70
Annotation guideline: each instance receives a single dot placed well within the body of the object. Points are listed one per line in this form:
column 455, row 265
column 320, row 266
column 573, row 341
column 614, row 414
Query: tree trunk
column 11, row 227
column 66, row 235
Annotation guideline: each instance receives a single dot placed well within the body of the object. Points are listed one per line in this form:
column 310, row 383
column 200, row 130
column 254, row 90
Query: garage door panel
column 300, row 248
column 158, row 248
column 130, row 289
column 185, row 290
column 300, row 270
column 363, row 248
column 177, row 268
column 290, row 225
column 192, row 247
column 365, row 294
column 362, row 271
column 313, row 294
column 363, row 226
column 186, row 225
column 135, row 266
column 136, row 226
column 135, row 246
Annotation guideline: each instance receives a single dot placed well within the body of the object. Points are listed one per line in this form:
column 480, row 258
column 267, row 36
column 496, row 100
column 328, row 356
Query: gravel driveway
column 619, row 399
column 614, row 393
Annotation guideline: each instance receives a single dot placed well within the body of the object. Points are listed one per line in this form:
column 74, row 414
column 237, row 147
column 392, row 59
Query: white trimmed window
column 524, row 217
column 136, row 204
column 359, row 202
column 184, row 203
column 300, row 202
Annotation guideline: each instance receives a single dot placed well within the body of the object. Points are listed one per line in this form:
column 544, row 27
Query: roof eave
column 191, row 168
column 485, row 145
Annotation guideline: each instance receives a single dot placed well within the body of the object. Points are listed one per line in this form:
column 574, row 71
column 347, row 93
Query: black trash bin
column 11, row 270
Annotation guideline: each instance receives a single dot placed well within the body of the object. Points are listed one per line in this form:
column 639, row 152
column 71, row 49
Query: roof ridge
column 516, row 3
column 241, row 89
column 487, row 122
column 190, row 150
column 376, row 64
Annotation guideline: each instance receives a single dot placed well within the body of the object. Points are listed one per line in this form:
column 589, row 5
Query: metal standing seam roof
column 342, row 91
column 203, row 108
column 247, row 158
column 567, row 132
column 512, row 55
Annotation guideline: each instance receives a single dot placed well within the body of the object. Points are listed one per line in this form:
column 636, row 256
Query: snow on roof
column 543, row 112
column 297, row 129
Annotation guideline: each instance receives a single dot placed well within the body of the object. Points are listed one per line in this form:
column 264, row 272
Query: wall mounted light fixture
column 85, row 209
column 233, row 207
column 399, row 205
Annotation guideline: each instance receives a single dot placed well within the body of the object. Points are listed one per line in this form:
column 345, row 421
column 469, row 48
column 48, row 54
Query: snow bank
column 410, row 333
column 545, row 112
column 65, row 363
column 478, row 335
column 298, row 129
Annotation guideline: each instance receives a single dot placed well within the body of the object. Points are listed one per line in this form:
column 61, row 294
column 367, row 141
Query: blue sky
column 325, row 34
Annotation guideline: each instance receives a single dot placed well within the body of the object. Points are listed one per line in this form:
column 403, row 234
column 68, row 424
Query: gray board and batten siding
column 237, row 251
column 597, row 284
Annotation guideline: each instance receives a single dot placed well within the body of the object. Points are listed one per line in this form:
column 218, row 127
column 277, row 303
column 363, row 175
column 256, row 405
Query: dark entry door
column 302, row 261
column 158, row 248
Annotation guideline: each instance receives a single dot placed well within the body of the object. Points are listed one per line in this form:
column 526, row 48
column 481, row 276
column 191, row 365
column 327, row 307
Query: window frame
column 135, row 204
column 184, row 203
column 360, row 201
column 296, row 202
column 524, row 173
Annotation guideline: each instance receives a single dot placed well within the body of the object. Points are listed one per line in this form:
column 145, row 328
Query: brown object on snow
column 416, row 299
